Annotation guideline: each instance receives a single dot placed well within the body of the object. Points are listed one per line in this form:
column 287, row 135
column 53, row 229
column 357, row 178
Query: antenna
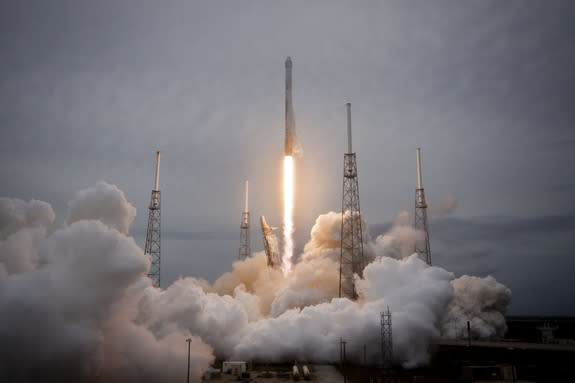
column 419, row 182
column 157, row 171
column 246, row 203
column 348, row 105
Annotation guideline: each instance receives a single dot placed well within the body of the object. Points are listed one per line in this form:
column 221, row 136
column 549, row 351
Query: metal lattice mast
column 421, row 247
column 245, row 250
column 386, row 339
column 153, row 234
column 351, row 256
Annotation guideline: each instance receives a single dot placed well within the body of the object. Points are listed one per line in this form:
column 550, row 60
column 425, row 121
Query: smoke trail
column 288, row 214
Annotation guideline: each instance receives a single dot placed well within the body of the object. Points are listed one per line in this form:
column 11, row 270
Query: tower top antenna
column 156, row 188
column 246, row 201
column 348, row 106
column 419, row 181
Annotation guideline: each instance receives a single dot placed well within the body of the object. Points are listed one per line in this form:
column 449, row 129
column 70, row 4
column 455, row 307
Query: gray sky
column 90, row 89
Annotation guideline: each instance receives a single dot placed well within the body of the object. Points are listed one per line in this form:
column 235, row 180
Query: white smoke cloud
column 16, row 214
column 102, row 320
column 68, row 301
column 399, row 242
column 417, row 299
column 262, row 315
column 103, row 202
column 482, row 302
column 19, row 252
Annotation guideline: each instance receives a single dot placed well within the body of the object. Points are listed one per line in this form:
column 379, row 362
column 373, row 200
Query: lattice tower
column 351, row 256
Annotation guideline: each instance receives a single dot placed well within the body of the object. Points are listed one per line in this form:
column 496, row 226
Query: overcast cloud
column 89, row 90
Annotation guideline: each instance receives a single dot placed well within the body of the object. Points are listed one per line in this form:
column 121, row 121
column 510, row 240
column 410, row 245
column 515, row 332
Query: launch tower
column 422, row 246
column 245, row 230
column 153, row 234
column 351, row 256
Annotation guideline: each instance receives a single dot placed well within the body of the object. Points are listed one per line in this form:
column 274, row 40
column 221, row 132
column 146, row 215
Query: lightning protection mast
column 422, row 246
column 153, row 234
column 245, row 231
column 351, row 256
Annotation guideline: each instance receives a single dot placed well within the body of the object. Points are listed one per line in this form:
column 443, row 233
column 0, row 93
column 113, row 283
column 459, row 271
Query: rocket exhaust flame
column 288, row 214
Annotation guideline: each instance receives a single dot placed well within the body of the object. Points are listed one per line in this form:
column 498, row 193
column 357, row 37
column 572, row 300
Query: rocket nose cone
column 288, row 62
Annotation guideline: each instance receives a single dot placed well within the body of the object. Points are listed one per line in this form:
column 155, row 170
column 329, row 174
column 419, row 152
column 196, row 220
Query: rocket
column 290, row 137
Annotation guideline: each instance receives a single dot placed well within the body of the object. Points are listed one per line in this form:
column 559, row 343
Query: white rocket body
column 290, row 137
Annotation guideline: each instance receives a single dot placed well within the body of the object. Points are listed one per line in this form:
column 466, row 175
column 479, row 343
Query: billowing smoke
column 482, row 302
column 68, row 297
column 400, row 241
column 105, row 203
column 16, row 214
column 258, row 313
column 75, row 301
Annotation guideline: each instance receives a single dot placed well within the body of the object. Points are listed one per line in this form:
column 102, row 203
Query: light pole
column 189, row 340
